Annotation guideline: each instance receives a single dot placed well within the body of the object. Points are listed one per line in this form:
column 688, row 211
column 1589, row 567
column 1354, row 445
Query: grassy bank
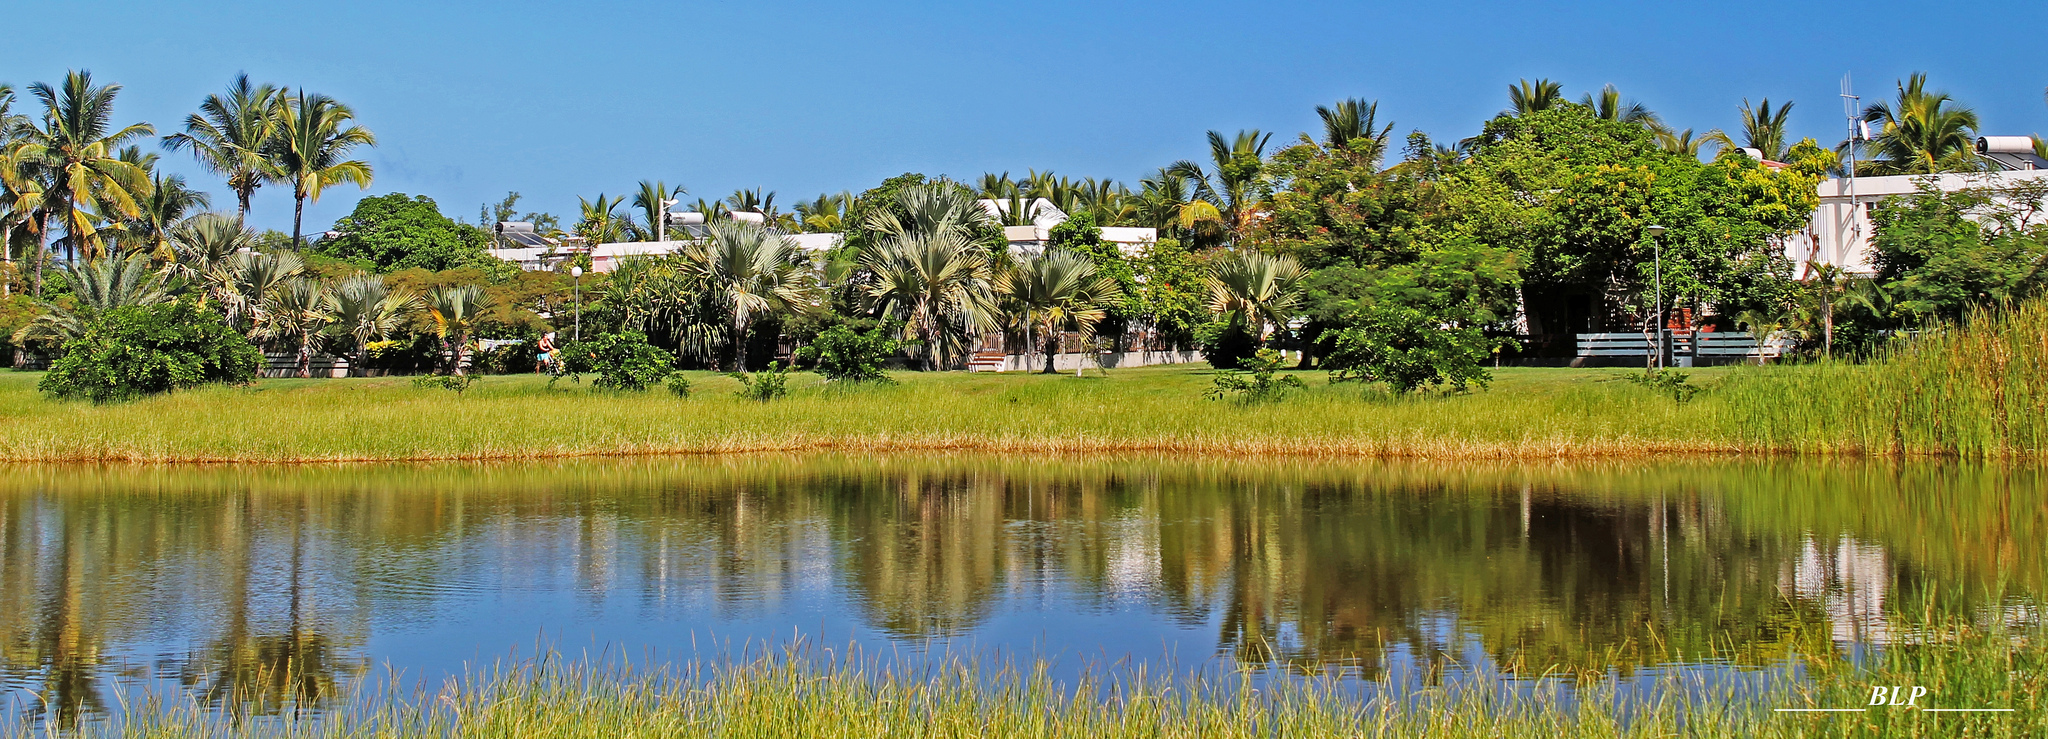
column 1979, row 393
column 822, row 695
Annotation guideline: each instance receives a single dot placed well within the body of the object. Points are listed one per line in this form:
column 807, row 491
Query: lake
column 201, row 579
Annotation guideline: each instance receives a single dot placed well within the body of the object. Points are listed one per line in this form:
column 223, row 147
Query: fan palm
column 930, row 210
column 366, row 308
column 245, row 283
column 1529, row 97
column 298, row 312
column 1056, row 292
column 1609, row 106
column 456, row 311
column 231, row 135
column 748, row 271
column 650, row 200
column 1922, row 133
column 1763, row 129
column 206, row 242
column 939, row 285
column 80, row 150
column 99, row 286
column 315, row 134
column 1254, row 287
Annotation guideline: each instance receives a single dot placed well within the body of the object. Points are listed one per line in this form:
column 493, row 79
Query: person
column 547, row 353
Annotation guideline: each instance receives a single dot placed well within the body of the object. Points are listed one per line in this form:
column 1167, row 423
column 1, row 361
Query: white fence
column 1703, row 347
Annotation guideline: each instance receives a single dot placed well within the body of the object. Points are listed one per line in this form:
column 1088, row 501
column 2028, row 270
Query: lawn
column 1526, row 413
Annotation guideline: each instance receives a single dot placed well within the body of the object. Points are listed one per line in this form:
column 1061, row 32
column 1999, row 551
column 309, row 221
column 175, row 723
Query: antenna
column 1850, row 103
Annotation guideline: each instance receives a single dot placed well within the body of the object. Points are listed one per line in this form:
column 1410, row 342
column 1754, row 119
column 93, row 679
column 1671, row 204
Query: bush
column 843, row 352
column 1227, row 344
column 765, row 385
column 457, row 383
column 1406, row 349
column 679, row 385
column 622, row 361
column 1257, row 385
column 135, row 351
column 1677, row 384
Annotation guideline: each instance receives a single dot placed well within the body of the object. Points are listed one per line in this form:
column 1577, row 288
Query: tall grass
column 809, row 693
column 1977, row 390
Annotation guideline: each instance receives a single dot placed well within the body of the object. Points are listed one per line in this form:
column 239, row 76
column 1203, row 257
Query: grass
column 802, row 692
column 1974, row 392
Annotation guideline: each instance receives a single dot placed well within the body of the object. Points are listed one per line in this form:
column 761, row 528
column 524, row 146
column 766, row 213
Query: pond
column 197, row 579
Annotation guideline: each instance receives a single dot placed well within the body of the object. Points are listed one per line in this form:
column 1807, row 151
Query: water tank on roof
column 741, row 215
column 686, row 218
column 2012, row 153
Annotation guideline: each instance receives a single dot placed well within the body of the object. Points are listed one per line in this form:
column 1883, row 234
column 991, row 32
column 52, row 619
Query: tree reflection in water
column 258, row 589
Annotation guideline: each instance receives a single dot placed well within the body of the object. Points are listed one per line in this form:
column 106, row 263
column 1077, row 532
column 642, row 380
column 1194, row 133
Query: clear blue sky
column 557, row 100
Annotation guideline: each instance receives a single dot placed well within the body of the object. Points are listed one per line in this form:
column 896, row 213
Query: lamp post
column 1657, row 251
column 576, row 273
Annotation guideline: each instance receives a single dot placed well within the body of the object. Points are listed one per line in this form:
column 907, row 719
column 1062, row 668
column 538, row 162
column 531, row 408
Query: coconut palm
column 456, row 311
column 1352, row 119
column 1237, row 184
column 599, row 223
column 231, row 136
column 298, row 313
column 827, row 214
column 1254, row 287
column 1529, row 97
column 1763, row 129
column 1057, row 292
column 749, row 271
column 1608, row 106
column 1166, row 201
column 996, row 186
column 1683, row 142
column 315, row 134
column 650, row 201
column 1921, row 133
column 78, row 150
column 99, row 286
column 167, row 203
column 366, row 308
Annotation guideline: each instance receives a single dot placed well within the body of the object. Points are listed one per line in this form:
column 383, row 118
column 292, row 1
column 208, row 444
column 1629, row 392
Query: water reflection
column 266, row 589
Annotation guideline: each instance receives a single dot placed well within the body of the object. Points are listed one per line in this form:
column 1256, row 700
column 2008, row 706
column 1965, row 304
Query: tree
column 232, row 134
column 851, row 350
column 1921, row 133
column 1248, row 291
column 364, row 308
column 650, row 200
column 1939, row 254
column 1763, row 129
column 1407, row 349
column 167, row 203
column 398, row 231
column 1236, row 186
column 297, row 313
column 99, row 287
column 79, row 149
column 749, row 271
column 1609, row 106
column 139, row 350
column 1079, row 235
column 455, row 311
column 315, row 134
column 1352, row 119
column 1059, row 291
column 1531, row 97
column 928, row 270
column 600, row 224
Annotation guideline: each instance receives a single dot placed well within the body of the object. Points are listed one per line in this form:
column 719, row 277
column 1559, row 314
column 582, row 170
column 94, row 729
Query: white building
column 1030, row 240
column 1839, row 232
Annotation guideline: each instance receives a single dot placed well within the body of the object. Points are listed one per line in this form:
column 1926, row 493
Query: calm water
column 199, row 579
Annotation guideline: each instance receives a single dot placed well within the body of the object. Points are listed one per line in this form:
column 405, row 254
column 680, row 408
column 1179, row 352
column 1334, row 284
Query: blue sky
column 557, row 100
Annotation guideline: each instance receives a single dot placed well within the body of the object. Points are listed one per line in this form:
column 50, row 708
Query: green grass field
column 1526, row 413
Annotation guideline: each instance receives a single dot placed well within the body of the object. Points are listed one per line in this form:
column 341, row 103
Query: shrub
column 135, row 351
column 765, row 385
column 1257, row 385
column 1227, row 344
column 621, row 361
column 679, row 385
column 1666, row 381
column 843, row 352
column 457, row 383
column 1404, row 348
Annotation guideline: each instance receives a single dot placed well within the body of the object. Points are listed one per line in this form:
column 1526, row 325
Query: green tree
column 1528, row 97
column 1763, row 129
column 78, row 149
column 99, row 287
column 1059, row 291
column 297, row 313
column 1939, row 254
column 928, row 269
column 1923, row 132
column 649, row 199
column 315, row 134
column 231, row 136
column 365, row 308
column 139, row 350
column 397, row 231
column 852, row 351
column 456, row 312
column 1079, row 235
column 749, row 272
column 1237, row 184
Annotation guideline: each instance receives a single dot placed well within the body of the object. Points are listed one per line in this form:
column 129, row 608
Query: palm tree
column 366, row 308
column 205, row 243
column 1682, row 142
column 650, row 200
column 245, row 284
column 996, row 186
column 315, row 134
column 1921, row 133
column 231, row 136
column 1610, row 107
column 827, row 214
column 80, row 150
column 1236, row 186
column 1353, row 119
column 748, row 271
column 1056, row 292
column 25, row 217
column 99, row 286
column 168, row 202
column 1166, row 201
column 1255, row 288
column 599, row 224
column 456, row 311
column 1530, row 97
column 1763, row 129
column 298, row 312
column 927, row 270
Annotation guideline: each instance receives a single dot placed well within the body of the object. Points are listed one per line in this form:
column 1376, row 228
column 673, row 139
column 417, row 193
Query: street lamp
column 1657, row 251
column 576, row 273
